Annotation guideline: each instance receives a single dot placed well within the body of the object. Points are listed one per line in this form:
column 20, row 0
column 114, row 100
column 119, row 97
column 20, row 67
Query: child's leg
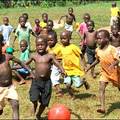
column 34, row 107
column 68, row 82
column 102, row 86
column 55, row 77
column 40, row 111
column 22, row 80
column 15, row 108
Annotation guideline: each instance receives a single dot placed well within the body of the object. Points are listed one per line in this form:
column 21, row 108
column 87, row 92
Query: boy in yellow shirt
column 71, row 55
column 115, row 13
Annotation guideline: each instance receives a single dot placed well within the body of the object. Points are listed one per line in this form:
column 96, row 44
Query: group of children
column 53, row 59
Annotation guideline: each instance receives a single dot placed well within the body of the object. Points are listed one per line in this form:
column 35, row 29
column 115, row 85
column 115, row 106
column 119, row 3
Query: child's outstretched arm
column 92, row 65
column 61, row 18
column 33, row 33
column 22, row 64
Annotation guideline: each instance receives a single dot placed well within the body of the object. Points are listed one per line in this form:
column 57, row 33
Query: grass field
column 84, row 107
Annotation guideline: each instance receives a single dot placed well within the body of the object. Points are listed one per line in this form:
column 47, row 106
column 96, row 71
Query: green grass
column 85, row 106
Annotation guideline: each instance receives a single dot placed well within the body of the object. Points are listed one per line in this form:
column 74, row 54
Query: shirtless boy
column 90, row 38
column 70, row 18
column 115, row 36
column 7, row 89
column 41, row 86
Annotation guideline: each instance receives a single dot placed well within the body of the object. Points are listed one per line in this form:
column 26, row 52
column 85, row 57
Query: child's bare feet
column 59, row 93
column 100, row 110
column 86, row 84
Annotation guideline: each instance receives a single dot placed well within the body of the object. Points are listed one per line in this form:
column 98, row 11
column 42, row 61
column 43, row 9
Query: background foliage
column 44, row 3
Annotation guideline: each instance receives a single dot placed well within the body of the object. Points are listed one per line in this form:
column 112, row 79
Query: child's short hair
column 44, row 14
column 25, row 15
column 105, row 32
column 24, row 42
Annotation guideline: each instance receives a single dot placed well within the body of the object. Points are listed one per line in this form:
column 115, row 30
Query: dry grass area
column 84, row 107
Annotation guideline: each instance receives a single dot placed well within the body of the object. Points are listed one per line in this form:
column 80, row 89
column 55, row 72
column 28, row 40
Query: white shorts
column 68, row 27
column 7, row 93
column 55, row 75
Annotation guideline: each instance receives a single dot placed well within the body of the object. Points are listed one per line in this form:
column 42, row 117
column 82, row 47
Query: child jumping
column 106, row 56
column 41, row 86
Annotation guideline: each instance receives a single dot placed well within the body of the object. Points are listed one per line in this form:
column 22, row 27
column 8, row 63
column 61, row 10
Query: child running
column 7, row 89
column 55, row 48
column 22, row 73
column 23, row 33
column 90, row 38
column 6, row 30
column 71, row 55
column 70, row 18
column 82, row 30
column 41, row 86
column 115, row 36
column 106, row 56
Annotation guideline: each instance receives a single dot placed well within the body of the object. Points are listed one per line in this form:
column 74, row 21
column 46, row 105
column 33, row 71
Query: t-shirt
column 71, row 60
column 43, row 24
column 24, row 56
column 107, row 56
column 114, row 12
column 56, row 50
column 6, row 31
column 83, row 28
column 23, row 34
column 27, row 24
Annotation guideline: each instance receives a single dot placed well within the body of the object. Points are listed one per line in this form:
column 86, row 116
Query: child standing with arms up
column 106, row 56
column 71, row 56
column 90, row 38
column 6, row 30
column 55, row 48
column 41, row 86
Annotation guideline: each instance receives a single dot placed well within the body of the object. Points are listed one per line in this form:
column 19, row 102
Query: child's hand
column 63, row 74
column 86, row 69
